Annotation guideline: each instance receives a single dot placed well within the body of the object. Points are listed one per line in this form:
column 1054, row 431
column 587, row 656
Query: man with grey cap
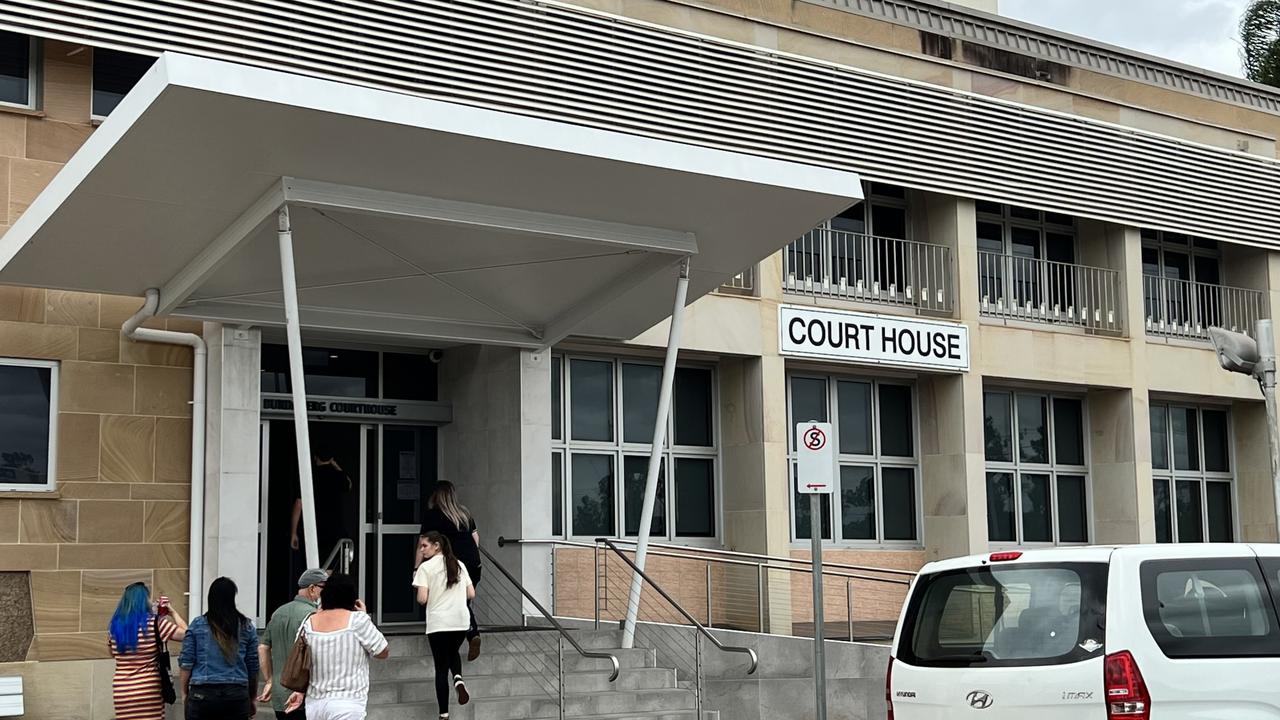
column 274, row 644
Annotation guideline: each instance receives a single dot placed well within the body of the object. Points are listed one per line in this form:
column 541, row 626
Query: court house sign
column 872, row 339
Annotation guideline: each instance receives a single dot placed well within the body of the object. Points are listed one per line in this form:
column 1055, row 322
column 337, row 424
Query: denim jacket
column 202, row 655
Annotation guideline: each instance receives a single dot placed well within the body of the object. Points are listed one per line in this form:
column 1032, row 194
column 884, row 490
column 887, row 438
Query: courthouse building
column 987, row 252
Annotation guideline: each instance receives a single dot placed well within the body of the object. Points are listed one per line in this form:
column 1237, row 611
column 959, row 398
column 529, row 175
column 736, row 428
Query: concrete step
column 645, row 704
column 487, row 686
column 417, row 712
column 507, row 663
column 411, row 645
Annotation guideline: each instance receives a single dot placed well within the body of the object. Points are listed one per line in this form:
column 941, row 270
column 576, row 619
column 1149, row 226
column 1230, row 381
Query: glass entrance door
column 340, row 464
column 406, row 475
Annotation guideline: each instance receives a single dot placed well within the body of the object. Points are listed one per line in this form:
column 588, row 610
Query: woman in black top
column 451, row 519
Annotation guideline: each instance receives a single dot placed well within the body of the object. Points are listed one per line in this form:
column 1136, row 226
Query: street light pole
column 1265, row 372
column 1255, row 357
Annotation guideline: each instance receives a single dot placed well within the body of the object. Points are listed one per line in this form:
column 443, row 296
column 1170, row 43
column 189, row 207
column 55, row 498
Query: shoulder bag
column 296, row 673
column 167, row 691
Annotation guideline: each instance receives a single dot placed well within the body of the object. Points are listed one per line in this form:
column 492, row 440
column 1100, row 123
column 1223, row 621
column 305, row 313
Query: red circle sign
column 815, row 439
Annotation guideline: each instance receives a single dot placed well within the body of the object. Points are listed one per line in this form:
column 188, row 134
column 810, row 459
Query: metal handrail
column 344, row 565
column 732, row 558
column 564, row 634
column 755, row 660
column 693, row 552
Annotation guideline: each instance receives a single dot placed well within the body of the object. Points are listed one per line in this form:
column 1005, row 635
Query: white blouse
column 340, row 658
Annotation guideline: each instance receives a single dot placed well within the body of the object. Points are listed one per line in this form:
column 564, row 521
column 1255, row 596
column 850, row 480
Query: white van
column 1142, row 632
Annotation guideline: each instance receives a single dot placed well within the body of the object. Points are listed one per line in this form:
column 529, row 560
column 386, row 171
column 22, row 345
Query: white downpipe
column 298, row 384
column 655, row 454
column 133, row 329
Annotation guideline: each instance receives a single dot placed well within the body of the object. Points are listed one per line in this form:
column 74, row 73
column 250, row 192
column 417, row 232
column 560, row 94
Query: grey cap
column 314, row 576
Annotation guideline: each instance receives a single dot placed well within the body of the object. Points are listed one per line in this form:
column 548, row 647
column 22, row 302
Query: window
column 877, row 482
column 1003, row 616
column 1037, row 468
column 1192, row 472
column 603, row 412
column 18, row 65
column 28, row 424
column 343, row 372
column 1209, row 608
column 1013, row 246
column 1181, row 276
column 114, row 75
column 855, row 247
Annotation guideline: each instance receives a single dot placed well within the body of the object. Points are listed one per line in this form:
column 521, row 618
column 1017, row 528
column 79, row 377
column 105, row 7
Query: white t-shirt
column 446, row 606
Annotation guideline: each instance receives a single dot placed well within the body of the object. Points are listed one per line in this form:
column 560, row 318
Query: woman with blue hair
column 133, row 634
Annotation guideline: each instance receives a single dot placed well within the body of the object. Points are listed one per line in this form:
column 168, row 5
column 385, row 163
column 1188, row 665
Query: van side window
column 1209, row 608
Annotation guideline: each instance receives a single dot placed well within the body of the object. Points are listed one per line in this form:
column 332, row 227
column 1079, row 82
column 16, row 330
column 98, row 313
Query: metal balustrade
column 1186, row 309
column 1052, row 292
column 744, row 283
column 865, row 268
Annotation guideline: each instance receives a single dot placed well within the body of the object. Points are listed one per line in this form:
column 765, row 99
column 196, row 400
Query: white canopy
column 413, row 219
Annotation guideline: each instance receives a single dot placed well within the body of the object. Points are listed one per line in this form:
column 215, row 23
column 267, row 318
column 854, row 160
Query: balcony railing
column 864, row 268
column 744, row 283
column 1049, row 292
column 1181, row 308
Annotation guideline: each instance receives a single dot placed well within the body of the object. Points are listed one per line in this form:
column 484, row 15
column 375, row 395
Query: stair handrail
column 755, row 660
column 347, row 547
column 729, row 557
column 613, row 659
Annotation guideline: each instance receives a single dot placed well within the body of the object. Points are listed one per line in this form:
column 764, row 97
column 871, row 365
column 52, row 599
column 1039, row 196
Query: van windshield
column 1006, row 616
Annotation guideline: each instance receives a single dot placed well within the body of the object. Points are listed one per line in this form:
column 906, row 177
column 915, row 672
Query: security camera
column 435, row 356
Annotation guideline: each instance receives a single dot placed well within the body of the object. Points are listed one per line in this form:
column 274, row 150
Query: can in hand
column 162, row 605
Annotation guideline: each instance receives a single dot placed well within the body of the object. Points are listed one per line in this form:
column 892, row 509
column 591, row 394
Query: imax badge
column 979, row 700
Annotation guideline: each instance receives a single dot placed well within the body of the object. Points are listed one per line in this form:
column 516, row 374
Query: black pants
column 217, row 702
column 299, row 714
column 444, row 651
column 474, row 630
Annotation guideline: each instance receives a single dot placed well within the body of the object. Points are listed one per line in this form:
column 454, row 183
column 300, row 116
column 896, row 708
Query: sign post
column 815, row 477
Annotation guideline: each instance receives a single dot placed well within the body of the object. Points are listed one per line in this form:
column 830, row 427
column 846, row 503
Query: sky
column 1202, row 33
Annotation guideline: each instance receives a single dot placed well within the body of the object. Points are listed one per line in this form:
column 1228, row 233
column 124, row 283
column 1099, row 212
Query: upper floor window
column 883, row 213
column 1026, row 233
column 1037, row 468
column 1027, row 268
column 18, row 70
column 28, row 422
column 603, row 413
column 1181, row 257
column 877, row 481
column 1192, row 471
column 114, row 75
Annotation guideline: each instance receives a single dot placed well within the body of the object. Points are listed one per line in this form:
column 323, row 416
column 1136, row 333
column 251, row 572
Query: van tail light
column 1127, row 697
column 888, row 688
column 1005, row 556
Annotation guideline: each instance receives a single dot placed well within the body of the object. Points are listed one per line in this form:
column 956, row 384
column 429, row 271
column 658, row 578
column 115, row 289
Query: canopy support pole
column 655, row 454
column 297, row 384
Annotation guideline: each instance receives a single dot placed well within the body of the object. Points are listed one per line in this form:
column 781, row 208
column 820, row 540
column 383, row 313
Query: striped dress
column 340, row 658
column 136, row 685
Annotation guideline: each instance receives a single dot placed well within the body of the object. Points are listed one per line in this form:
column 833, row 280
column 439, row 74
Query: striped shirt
column 340, row 658
column 135, row 686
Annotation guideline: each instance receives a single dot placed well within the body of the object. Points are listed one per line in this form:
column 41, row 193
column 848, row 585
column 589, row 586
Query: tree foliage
column 1260, row 41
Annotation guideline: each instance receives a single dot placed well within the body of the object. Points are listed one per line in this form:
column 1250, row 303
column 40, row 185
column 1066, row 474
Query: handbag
column 296, row 673
column 167, row 691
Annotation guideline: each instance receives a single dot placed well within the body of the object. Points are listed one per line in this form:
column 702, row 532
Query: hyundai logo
column 979, row 700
